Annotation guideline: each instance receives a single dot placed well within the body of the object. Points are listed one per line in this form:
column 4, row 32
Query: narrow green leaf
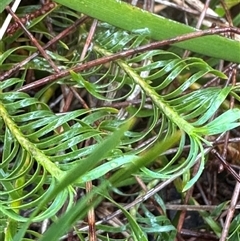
column 29, row 146
column 138, row 232
column 134, row 19
column 56, row 56
column 216, row 102
column 3, row 4
column 224, row 122
column 87, row 85
column 8, row 52
column 146, row 158
column 106, row 167
column 190, row 183
column 71, row 176
column 65, row 222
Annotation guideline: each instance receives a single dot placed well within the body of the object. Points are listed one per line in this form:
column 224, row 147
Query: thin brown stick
column 203, row 14
column 236, row 192
column 88, row 42
column 226, row 165
column 65, row 32
column 91, row 213
column 153, row 201
column 83, row 54
column 227, row 13
column 48, row 5
column 91, row 217
column 33, row 40
column 230, row 213
column 127, row 53
column 216, row 19
column 199, row 23
column 199, row 235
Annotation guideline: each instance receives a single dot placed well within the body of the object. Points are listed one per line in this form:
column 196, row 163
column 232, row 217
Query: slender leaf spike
column 136, row 20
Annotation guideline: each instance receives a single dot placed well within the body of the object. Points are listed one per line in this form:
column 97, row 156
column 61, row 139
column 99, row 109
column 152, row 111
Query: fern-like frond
column 42, row 150
column 38, row 148
column 166, row 84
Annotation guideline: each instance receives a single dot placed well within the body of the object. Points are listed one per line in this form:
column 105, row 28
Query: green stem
column 158, row 100
column 38, row 155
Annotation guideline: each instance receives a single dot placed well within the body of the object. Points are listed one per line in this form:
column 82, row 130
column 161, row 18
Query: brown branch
column 127, row 53
column 48, row 5
column 19, row 65
column 226, row 165
column 33, row 40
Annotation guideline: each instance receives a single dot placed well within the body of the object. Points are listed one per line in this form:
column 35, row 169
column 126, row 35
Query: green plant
column 48, row 155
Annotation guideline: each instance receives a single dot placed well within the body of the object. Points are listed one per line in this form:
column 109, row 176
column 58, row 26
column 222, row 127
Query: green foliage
column 136, row 20
column 3, row 4
column 46, row 156
column 234, row 229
